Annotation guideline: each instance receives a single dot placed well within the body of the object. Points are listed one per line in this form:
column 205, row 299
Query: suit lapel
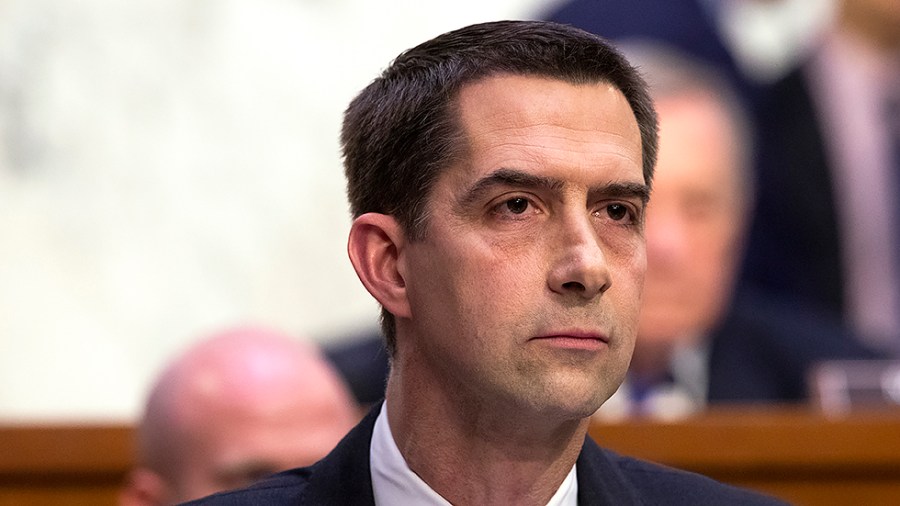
column 599, row 481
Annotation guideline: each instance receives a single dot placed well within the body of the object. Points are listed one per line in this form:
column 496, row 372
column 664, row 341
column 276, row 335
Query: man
column 238, row 406
column 498, row 175
column 701, row 338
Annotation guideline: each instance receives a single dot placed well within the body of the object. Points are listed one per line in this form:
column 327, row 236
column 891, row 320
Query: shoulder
column 606, row 477
column 283, row 488
column 658, row 484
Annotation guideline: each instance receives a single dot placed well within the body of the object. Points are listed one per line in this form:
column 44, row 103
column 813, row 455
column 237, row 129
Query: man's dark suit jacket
column 765, row 348
column 604, row 478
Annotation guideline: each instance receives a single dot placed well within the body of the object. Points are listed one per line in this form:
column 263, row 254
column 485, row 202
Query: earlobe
column 144, row 488
column 375, row 245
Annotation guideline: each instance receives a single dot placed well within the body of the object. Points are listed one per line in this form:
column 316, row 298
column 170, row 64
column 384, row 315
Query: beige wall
column 168, row 167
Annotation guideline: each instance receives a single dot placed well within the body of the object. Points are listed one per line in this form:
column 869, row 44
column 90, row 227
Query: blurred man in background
column 827, row 227
column 238, row 406
column 701, row 338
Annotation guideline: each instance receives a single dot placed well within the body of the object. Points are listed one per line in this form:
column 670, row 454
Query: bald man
column 238, row 406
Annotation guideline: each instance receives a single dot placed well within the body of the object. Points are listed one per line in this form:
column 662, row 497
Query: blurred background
column 171, row 167
column 168, row 168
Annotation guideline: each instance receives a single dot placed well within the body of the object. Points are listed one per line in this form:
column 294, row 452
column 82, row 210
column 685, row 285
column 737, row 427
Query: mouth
column 574, row 339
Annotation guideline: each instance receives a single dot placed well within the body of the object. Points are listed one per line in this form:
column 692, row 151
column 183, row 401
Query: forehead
column 698, row 143
column 519, row 118
column 504, row 97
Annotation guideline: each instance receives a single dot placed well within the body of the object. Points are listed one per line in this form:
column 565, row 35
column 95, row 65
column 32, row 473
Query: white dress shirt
column 394, row 483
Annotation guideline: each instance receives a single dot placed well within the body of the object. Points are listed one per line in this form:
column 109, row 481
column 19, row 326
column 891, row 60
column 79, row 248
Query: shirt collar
column 393, row 482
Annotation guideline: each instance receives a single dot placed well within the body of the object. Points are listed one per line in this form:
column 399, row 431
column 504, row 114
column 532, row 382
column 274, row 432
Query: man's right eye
column 517, row 205
column 521, row 207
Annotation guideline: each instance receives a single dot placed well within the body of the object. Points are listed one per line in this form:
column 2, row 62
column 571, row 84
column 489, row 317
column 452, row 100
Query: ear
column 144, row 488
column 376, row 243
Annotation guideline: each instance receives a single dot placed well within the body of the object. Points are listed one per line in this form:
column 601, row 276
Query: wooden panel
column 793, row 453
column 48, row 494
column 63, row 465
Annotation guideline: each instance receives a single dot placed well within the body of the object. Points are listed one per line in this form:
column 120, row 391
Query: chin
column 569, row 405
column 580, row 411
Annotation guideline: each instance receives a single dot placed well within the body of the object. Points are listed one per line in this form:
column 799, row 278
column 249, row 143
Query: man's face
column 525, row 291
column 694, row 223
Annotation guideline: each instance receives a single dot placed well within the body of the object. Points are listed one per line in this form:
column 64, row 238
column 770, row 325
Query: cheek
column 634, row 268
column 500, row 287
column 498, row 263
column 629, row 288
column 488, row 287
column 451, row 284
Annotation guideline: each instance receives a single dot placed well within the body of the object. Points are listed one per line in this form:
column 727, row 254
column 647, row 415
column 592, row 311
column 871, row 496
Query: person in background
column 827, row 226
column 363, row 362
column 689, row 26
column 498, row 177
column 240, row 405
column 701, row 337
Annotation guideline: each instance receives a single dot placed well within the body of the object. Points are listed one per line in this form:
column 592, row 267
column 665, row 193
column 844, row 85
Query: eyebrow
column 622, row 190
column 520, row 179
column 508, row 177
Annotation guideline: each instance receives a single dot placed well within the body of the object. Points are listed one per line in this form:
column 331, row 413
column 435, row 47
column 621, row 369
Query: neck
column 478, row 452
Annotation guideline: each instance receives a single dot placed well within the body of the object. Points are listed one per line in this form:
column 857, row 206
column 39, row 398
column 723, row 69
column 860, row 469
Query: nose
column 580, row 267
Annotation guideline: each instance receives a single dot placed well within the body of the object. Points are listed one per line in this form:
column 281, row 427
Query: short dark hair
column 403, row 129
